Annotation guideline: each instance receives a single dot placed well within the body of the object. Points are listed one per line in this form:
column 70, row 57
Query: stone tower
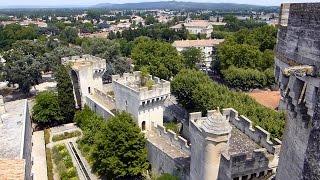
column 145, row 104
column 297, row 64
column 86, row 74
column 209, row 138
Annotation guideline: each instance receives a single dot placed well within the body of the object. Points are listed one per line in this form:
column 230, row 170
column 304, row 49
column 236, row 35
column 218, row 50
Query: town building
column 15, row 140
column 207, row 46
column 198, row 26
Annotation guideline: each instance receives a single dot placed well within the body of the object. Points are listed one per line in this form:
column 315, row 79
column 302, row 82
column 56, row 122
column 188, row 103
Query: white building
column 198, row 26
column 207, row 46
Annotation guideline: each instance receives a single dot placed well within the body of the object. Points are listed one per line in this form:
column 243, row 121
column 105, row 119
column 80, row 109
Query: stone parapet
column 132, row 81
column 105, row 97
column 85, row 57
column 256, row 133
column 98, row 64
column 172, row 137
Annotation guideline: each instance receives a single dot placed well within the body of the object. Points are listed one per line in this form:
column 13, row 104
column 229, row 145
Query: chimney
column 2, row 108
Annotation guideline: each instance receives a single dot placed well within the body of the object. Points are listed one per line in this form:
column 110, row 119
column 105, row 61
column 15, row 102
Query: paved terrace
column 11, row 130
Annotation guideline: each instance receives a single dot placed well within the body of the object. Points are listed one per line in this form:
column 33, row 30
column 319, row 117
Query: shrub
column 167, row 176
column 65, row 135
column 72, row 172
column 63, row 162
column 47, row 136
column 49, row 164
column 173, row 126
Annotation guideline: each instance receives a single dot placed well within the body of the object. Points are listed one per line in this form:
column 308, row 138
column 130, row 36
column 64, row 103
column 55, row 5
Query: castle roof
column 215, row 123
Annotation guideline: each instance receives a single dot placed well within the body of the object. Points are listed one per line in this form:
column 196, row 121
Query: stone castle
column 223, row 145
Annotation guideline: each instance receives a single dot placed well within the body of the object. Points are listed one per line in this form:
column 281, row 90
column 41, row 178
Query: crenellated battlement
column 172, row 137
column 98, row 64
column 256, row 133
column 132, row 81
column 85, row 57
column 104, row 97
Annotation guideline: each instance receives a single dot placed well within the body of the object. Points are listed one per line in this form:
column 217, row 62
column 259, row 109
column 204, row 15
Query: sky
column 93, row 2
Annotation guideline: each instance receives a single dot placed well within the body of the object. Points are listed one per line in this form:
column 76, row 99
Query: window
column 89, row 90
column 143, row 126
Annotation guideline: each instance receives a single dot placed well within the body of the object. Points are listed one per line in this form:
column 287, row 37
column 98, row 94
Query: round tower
column 209, row 138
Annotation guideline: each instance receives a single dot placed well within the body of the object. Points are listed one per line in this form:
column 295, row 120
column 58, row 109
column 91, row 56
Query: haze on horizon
column 4, row 3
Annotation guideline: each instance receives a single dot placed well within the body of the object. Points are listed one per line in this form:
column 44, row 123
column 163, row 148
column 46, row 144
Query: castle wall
column 162, row 158
column 145, row 105
column 27, row 141
column 161, row 163
column 197, row 155
column 99, row 108
column 88, row 71
column 126, row 99
column 298, row 44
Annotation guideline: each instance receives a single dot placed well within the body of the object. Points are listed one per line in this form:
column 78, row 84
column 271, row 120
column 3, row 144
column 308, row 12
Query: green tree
column 183, row 85
column 65, row 93
column 193, row 57
column 46, row 109
column 23, row 70
column 69, row 35
column 203, row 94
column 119, row 148
column 161, row 58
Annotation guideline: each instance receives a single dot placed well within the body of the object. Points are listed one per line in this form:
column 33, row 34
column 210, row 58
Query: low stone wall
column 256, row 133
column 172, row 137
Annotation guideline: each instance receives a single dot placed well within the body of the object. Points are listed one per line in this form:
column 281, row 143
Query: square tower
column 145, row 104
column 86, row 74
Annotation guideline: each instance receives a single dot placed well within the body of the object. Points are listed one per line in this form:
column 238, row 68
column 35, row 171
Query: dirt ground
column 269, row 99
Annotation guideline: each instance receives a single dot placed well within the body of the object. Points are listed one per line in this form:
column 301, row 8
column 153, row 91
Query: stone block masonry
column 298, row 45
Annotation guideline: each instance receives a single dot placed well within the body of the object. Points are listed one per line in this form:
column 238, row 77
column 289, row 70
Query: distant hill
column 182, row 5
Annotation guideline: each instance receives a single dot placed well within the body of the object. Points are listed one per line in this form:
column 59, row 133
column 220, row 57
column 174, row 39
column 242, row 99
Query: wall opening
column 143, row 126
column 126, row 105
column 76, row 87
column 89, row 90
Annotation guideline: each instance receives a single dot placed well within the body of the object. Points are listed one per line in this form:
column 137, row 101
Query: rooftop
column 241, row 143
column 195, row 43
column 11, row 129
column 198, row 23
column 12, row 169
column 215, row 123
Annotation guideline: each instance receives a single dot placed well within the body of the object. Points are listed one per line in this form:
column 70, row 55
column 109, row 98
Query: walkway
column 39, row 168
column 69, row 128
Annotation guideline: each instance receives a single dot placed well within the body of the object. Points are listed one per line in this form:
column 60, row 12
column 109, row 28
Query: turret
column 209, row 137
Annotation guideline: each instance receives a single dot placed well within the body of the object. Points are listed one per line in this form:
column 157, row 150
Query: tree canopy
column 161, row 58
column 193, row 57
column 118, row 145
column 251, row 52
column 65, row 93
column 46, row 109
column 196, row 92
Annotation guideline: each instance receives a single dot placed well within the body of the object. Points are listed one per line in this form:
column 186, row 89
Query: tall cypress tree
column 65, row 93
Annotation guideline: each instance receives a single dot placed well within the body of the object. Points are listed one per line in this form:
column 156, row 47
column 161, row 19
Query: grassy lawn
column 63, row 161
